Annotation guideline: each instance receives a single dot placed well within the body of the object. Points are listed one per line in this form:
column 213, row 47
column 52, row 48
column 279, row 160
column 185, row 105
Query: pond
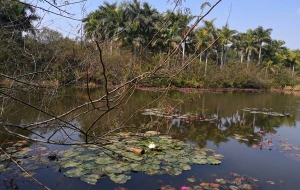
column 204, row 140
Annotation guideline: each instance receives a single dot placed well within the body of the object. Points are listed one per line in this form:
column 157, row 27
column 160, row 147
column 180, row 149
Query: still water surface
column 253, row 143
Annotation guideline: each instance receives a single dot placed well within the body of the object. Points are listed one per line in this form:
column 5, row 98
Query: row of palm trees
column 143, row 29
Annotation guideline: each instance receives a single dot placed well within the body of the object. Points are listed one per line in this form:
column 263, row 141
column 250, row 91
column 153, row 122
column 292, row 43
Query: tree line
column 135, row 38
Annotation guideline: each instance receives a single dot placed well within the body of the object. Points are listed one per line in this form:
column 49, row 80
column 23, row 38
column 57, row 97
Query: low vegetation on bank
column 138, row 40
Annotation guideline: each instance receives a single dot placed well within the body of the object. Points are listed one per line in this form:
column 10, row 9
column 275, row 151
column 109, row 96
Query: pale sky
column 283, row 16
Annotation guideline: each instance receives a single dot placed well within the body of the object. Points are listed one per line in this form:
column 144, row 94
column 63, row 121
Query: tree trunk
column 111, row 47
column 293, row 70
column 200, row 58
column 259, row 54
column 248, row 58
column 242, row 57
column 134, row 54
column 217, row 57
column 225, row 56
column 183, row 53
column 222, row 56
column 206, row 60
column 168, row 57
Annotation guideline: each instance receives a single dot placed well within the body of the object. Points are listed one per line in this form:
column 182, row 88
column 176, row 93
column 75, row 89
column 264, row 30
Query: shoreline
column 188, row 89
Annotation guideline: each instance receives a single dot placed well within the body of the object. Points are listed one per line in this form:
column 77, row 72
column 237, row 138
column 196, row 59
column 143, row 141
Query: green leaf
column 90, row 179
column 69, row 163
column 120, row 179
column 76, row 172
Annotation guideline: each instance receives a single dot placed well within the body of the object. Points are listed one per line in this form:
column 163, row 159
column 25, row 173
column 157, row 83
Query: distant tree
column 225, row 39
column 250, row 44
column 209, row 34
column 262, row 36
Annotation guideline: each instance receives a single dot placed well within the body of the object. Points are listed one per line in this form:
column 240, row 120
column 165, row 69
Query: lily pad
column 116, row 160
column 90, row 179
column 104, row 160
column 3, row 157
column 11, row 150
column 191, row 179
column 86, row 157
column 76, row 172
column 199, row 161
column 68, row 153
column 69, row 163
column 120, row 179
column 232, row 187
column 89, row 165
column 2, row 168
column 185, row 167
column 136, row 167
column 213, row 161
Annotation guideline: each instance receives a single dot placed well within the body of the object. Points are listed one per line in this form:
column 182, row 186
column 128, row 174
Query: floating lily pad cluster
column 280, row 144
column 117, row 160
column 170, row 113
column 233, row 181
column 265, row 111
column 28, row 158
column 246, row 138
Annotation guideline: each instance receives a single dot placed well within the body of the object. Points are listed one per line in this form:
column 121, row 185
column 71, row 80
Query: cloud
column 298, row 10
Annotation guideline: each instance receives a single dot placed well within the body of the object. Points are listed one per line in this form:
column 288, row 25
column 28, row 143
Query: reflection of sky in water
column 264, row 165
column 176, row 122
column 292, row 133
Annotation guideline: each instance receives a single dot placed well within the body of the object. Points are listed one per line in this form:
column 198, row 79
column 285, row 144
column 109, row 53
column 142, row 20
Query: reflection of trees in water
column 240, row 123
column 5, row 137
column 226, row 107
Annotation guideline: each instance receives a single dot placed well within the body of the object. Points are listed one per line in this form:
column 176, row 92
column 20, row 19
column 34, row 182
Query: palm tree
column 208, row 32
column 177, row 27
column 262, row 36
column 275, row 47
column 200, row 41
column 104, row 23
column 250, row 44
column 294, row 59
column 17, row 16
column 275, row 53
column 239, row 45
column 225, row 39
column 141, row 21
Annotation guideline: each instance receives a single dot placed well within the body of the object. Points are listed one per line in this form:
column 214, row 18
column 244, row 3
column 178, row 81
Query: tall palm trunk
column 183, row 53
column 206, row 61
column 217, row 57
column 248, row 58
column 225, row 56
column 200, row 56
column 111, row 47
column 259, row 54
column 222, row 56
column 134, row 54
column 242, row 56
column 169, row 51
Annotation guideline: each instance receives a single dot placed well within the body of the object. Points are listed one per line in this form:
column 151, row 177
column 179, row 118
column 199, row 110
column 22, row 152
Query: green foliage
column 15, row 18
column 136, row 38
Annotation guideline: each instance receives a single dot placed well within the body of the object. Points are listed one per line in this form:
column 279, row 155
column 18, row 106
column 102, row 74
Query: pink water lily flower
column 183, row 188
